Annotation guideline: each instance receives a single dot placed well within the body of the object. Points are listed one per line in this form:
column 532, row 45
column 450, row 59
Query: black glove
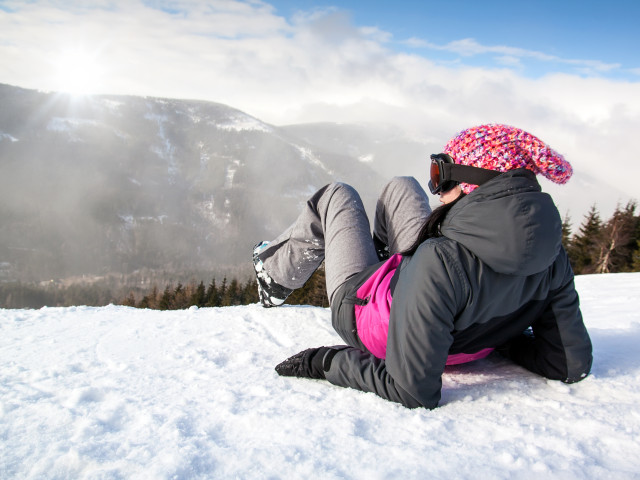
column 310, row 363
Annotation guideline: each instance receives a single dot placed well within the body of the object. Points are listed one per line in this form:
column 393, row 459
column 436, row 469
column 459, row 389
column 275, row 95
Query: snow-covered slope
column 111, row 184
column 116, row 392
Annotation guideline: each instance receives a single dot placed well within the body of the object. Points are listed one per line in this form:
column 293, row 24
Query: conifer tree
column 635, row 258
column 166, row 300
column 179, row 300
column 635, row 249
column 222, row 291
column 231, row 294
column 566, row 232
column 154, row 297
column 313, row 292
column 130, row 301
column 319, row 292
column 212, row 296
column 617, row 241
column 585, row 250
column 144, row 303
column 199, row 295
column 150, row 300
column 250, row 292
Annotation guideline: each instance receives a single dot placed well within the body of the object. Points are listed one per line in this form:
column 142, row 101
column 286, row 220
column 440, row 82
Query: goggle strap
column 467, row 173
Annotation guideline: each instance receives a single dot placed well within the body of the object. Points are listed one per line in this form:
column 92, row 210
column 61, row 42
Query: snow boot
column 271, row 293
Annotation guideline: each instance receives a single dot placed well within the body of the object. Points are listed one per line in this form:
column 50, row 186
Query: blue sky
column 605, row 32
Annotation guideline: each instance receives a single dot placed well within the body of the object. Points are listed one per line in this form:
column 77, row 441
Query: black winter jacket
column 498, row 269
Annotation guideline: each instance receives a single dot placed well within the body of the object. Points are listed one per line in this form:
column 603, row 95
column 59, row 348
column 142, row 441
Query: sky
column 568, row 71
column 537, row 37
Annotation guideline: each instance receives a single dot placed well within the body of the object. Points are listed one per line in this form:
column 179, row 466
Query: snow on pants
column 334, row 227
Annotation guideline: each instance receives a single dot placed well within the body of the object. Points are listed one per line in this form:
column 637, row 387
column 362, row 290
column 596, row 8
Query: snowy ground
column 116, row 392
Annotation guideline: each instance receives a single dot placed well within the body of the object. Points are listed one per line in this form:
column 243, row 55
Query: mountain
column 100, row 184
column 118, row 184
column 385, row 148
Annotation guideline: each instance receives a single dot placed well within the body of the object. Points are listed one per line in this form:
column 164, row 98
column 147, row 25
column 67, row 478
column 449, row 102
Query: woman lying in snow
column 435, row 289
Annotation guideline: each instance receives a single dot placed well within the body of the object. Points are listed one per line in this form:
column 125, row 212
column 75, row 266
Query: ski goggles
column 445, row 174
column 440, row 181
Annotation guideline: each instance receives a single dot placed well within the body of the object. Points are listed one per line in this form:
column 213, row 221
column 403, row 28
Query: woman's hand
column 310, row 363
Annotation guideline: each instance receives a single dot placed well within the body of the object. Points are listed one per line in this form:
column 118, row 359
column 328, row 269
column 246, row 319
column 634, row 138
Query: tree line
column 598, row 246
column 225, row 294
column 38, row 295
column 171, row 297
column 610, row 246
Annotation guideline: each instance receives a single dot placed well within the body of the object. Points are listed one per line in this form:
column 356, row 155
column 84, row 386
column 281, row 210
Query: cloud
column 319, row 66
column 469, row 47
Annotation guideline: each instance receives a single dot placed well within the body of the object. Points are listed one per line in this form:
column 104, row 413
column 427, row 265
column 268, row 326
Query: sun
column 78, row 72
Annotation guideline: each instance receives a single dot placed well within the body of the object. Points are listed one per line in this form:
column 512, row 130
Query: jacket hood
column 509, row 223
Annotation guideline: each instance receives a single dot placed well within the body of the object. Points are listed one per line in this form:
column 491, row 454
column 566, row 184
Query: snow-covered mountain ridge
column 111, row 184
column 116, row 392
column 101, row 184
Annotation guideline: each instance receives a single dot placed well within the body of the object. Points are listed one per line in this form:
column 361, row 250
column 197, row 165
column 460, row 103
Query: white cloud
column 319, row 66
column 468, row 47
column 509, row 61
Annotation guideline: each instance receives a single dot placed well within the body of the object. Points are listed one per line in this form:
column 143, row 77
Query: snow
column 113, row 105
column 204, row 155
column 67, row 124
column 166, row 150
column 242, row 123
column 9, row 137
column 116, row 392
column 307, row 155
column 230, row 173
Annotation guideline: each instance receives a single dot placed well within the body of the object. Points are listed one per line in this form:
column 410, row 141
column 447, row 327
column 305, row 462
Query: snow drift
column 116, row 392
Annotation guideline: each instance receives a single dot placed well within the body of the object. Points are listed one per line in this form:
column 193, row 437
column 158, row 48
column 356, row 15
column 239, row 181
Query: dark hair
column 432, row 225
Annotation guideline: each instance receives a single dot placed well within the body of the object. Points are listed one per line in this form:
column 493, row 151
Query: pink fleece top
column 372, row 319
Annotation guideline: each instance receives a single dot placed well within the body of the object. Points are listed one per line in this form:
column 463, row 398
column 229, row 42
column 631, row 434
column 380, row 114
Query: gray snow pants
column 334, row 227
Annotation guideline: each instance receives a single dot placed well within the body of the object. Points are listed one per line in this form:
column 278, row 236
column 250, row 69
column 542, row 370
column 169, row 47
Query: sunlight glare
column 78, row 72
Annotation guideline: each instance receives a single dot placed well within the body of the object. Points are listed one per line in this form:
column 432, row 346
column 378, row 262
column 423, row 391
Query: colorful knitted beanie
column 503, row 148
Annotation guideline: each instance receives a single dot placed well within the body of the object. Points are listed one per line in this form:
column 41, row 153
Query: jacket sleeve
column 559, row 347
column 363, row 371
column 420, row 333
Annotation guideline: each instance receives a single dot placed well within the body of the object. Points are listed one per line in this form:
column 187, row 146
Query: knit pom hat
column 503, row 148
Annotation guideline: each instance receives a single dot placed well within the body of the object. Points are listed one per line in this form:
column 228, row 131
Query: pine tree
column 585, row 250
column 617, row 241
column 250, row 292
column 313, row 292
column 566, row 232
column 153, row 300
column 180, row 298
column 199, row 296
column 130, row 301
column 321, row 297
column 166, row 301
column 212, row 296
column 635, row 241
column 222, row 291
column 144, row 303
column 231, row 294
column 635, row 258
